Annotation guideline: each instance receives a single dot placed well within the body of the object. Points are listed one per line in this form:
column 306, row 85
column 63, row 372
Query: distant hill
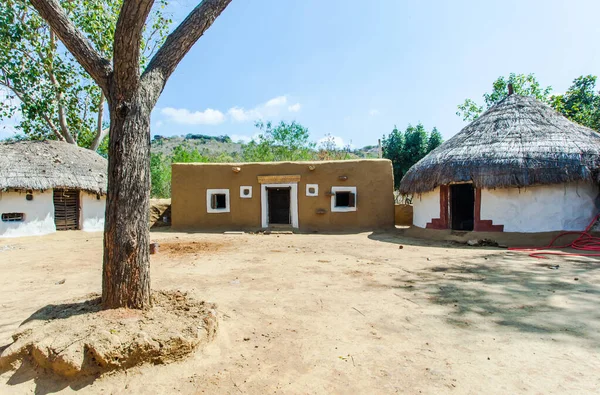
column 219, row 146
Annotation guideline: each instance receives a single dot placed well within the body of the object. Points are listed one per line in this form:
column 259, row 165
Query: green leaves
column 581, row 103
column 406, row 148
column 283, row 142
column 43, row 79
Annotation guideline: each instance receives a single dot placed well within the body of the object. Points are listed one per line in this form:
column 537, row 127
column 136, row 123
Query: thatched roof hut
column 518, row 142
column 44, row 165
column 521, row 167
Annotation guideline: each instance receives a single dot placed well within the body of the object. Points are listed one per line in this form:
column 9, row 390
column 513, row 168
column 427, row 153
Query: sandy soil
column 335, row 314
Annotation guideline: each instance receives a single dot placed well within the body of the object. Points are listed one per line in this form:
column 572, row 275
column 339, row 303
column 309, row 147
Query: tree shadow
column 46, row 382
column 66, row 310
column 514, row 291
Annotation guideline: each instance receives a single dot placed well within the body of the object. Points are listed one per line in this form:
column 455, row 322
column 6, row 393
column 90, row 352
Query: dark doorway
column 462, row 206
column 279, row 205
column 66, row 209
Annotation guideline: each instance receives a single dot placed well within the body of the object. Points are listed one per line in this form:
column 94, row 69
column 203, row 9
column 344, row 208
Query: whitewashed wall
column 541, row 208
column 92, row 212
column 39, row 214
column 425, row 207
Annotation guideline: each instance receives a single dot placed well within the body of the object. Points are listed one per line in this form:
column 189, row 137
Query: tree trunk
column 126, row 268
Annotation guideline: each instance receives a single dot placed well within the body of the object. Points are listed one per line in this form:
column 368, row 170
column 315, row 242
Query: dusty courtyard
column 334, row 314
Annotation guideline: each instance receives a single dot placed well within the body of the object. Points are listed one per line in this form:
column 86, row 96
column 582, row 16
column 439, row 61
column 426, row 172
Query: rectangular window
column 13, row 217
column 217, row 200
column 343, row 199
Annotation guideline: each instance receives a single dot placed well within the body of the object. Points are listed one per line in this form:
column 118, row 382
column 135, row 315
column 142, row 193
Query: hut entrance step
column 279, row 201
column 462, row 206
column 66, row 209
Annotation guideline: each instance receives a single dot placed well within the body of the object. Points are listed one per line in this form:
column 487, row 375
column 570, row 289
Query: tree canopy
column 281, row 142
column 53, row 94
column 581, row 102
column 406, row 148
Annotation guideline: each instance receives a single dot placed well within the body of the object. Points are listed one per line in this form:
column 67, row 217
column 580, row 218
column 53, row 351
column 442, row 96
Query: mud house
column 520, row 167
column 308, row 196
column 47, row 186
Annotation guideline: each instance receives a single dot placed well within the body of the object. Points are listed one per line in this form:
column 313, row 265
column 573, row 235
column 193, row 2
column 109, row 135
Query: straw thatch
column 41, row 165
column 516, row 143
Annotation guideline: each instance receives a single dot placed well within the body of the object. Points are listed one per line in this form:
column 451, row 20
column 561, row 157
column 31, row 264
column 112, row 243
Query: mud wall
column 541, row 208
column 404, row 214
column 373, row 180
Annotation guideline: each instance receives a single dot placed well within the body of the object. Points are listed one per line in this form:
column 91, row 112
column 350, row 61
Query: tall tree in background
column 50, row 93
column 131, row 95
column 406, row 148
column 280, row 142
column 524, row 85
column 581, row 102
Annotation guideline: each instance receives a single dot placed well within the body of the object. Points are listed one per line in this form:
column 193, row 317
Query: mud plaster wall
column 39, row 213
column 404, row 214
column 372, row 178
column 92, row 212
column 426, row 206
column 542, row 208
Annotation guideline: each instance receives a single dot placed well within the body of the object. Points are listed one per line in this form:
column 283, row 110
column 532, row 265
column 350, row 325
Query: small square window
column 217, row 200
column 312, row 190
column 343, row 199
column 246, row 192
column 13, row 217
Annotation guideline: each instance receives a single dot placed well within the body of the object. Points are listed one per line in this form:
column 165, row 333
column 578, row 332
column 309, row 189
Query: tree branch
column 97, row 67
column 19, row 95
column 181, row 40
column 128, row 37
column 100, row 133
column 62, row 119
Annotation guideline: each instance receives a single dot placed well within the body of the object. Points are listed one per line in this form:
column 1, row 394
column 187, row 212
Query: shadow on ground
column 46, row 383
column 512, row 290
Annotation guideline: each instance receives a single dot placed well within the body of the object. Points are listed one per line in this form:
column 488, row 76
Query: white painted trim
column 249, row 196
column 264, row 202
column 315, row 186
column 335, row 209
column 209, row 193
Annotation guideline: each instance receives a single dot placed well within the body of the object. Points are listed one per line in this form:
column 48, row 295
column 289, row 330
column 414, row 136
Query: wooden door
column 66, row 209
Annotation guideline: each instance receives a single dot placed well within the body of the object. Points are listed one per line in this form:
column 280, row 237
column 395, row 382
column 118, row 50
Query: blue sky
column 355, row 69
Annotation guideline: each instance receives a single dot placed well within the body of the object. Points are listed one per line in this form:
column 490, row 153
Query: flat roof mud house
column 47, row 186
column 520, row 167
column 309, row 196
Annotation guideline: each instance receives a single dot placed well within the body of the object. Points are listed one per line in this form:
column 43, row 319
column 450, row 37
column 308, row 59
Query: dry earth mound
column 78, row 339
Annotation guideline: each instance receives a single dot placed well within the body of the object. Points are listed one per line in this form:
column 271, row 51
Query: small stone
column 576, row 278
column 61, row 281
column 400, row 247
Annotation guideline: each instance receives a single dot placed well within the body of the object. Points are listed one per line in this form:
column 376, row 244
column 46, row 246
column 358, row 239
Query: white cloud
column 186, row 117
column 294, row 107
column 276, row 101
column 272, row 108
column 373, row 112
column 238, row 114
column 158, row 124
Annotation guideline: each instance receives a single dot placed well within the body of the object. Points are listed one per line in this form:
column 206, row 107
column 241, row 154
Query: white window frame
column 315, row 186
column 249, row 196
column 335, row 209
column 209, row 193
column 264, row 203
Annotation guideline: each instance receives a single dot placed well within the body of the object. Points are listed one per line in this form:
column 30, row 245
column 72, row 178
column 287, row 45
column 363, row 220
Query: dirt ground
column 334, row 314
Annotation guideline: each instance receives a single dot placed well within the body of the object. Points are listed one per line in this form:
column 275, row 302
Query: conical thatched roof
column 43, row 165
column 516, row 143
